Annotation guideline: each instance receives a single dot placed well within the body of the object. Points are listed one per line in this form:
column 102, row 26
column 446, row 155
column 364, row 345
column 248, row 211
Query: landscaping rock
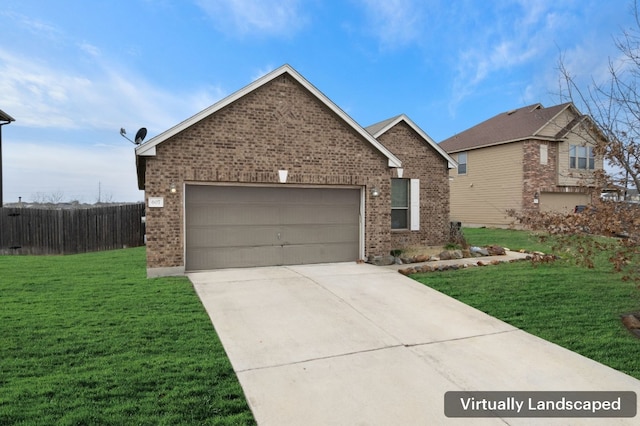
column 421, row 258
column 479, row 251
column 398, row 261
column 456, row 254
column 407, row 271
column 496, row 251
column 632, row 323
column 382, row 260
column 451, row 254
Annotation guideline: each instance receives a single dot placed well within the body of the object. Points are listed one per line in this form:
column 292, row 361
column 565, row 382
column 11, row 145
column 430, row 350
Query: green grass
column 88, row 339
column 514, row 240
column 574, row 307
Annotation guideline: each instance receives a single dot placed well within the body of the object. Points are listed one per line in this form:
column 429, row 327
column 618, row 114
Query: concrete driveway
column 356, row 344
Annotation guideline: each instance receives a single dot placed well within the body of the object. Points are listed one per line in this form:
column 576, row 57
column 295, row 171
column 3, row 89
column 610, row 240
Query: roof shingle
column 506, row 127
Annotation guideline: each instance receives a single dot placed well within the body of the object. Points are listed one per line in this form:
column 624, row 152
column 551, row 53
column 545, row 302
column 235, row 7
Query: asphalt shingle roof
column 508, row 126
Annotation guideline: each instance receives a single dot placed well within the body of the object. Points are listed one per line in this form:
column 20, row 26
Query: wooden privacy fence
column 68, row 231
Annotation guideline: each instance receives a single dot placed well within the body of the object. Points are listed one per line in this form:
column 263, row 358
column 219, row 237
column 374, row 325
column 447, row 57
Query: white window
column 405, row 204
column 462, row 163
column 581, row 157
column 399, row 203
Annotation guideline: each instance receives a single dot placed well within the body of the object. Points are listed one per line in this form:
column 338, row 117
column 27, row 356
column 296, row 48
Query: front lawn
column 88, row 339
column 574, row 307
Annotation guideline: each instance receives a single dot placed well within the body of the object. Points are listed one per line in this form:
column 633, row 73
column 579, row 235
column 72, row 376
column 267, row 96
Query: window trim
column 412, row 208
column 544, row 154
column 461, row 163
column 405, row 208
column 587, row 158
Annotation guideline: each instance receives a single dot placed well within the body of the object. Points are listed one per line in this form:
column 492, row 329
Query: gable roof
column 384, row 126
column 511, row 126
column 149, row 148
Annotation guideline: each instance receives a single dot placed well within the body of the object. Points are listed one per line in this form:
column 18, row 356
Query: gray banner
column 540, row 404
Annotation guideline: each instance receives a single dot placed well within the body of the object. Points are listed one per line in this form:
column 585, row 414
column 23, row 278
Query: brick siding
column 538, row 178
column 422, row 162
column 280, row 125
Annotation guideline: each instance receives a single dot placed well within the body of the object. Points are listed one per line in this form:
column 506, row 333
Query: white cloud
column 65, row 137
column 262, row 72
column 394, row 22
column 522, row 34
column 44, row 95
column 45, row 168
column 89, row 49
column 35, row 26
column 270, row 17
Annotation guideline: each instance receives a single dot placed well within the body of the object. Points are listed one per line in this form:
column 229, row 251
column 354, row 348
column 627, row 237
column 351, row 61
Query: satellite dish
column 140, row 135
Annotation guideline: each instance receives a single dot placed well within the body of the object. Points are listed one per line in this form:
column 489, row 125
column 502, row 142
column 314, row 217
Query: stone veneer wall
column 538, row 178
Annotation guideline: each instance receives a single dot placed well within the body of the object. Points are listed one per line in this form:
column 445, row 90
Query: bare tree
column 614, row 105
column 48, row 198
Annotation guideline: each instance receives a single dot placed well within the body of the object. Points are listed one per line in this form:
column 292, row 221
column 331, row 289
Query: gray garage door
column 239, row 226
column 562, row 202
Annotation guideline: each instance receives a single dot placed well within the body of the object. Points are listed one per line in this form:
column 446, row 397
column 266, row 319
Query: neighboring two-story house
column 531, row 158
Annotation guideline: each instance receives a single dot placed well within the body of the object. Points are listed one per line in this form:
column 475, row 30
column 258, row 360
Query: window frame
column 582, row 157
column 403, row 208
column 461, row 164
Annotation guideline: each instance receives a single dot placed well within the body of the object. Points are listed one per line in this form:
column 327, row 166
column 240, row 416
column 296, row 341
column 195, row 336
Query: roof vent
column 511, row 112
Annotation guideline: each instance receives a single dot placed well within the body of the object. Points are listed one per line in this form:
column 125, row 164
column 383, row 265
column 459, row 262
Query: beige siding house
column 531, row 158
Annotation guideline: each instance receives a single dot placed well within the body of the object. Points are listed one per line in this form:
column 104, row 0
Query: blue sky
column 73, row 72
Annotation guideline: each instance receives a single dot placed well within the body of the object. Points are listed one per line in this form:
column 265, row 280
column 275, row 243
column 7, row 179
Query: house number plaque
column 156, row 202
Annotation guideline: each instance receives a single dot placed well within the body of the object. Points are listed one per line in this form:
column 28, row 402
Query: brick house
column 531, row 158
column 277, row 174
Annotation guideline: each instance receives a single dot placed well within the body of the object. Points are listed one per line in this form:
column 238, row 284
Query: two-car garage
column 242, row 226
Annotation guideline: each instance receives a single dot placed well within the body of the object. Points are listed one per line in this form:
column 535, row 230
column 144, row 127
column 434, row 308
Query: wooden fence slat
column 67, row 231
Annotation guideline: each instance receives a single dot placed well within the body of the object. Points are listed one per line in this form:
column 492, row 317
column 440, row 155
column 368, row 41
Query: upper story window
column 462, row 163
column 581, row 157
column 399, row 203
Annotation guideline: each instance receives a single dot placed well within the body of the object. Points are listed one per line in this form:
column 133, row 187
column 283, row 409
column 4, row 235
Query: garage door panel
column 321, row 214
column 238, row 226
column 225, row 236
column 234, row 257
column 562, row 202
column 319, row 234
column 319, row 253
column 215, row 214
